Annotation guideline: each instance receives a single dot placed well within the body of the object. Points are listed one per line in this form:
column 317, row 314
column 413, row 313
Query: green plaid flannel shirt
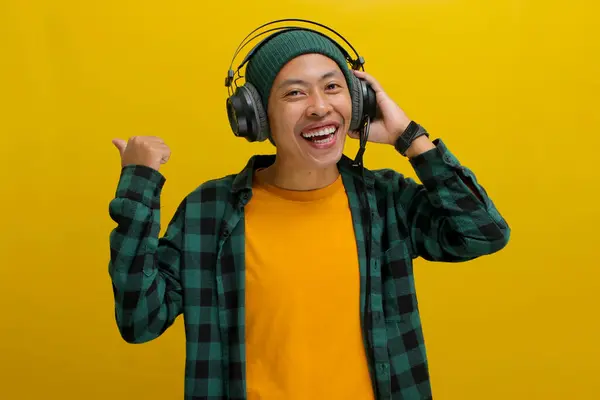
column 197, row 267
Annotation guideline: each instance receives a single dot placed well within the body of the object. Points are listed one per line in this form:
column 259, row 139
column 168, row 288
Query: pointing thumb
column 120, row 144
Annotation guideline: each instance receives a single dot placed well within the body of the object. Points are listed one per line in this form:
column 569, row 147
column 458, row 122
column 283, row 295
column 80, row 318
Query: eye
column 292, row 93
column 333, row 86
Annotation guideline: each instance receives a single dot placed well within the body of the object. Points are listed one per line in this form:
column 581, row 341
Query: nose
column 318, row 105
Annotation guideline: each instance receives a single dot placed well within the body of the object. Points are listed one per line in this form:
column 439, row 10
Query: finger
column 120, row 144
column 155, row 139
column 354, row 134
column 165, row 157
column 147, row 139
column 166, row 153
column 163, row 147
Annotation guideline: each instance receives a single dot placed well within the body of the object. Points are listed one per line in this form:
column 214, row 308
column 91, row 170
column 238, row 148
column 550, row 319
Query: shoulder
column 389, row 180
column 206, row 204
column 213, row 190
column 384, row 182
column 228, row 190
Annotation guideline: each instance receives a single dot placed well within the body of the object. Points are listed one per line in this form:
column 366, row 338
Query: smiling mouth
column 321, row 136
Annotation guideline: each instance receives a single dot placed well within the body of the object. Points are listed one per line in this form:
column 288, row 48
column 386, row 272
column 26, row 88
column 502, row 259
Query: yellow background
column 511, row 86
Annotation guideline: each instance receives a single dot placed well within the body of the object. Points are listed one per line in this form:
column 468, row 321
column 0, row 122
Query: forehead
column 309, row 67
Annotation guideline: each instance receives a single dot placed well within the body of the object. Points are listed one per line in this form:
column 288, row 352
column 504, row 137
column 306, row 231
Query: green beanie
column 266, row 63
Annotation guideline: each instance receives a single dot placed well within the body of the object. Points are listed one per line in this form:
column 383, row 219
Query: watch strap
column 412, row 131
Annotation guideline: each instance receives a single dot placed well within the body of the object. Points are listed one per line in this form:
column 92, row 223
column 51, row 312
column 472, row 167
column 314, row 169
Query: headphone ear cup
column 246, row 115
column 356, row 94
column 364, row 103
column 234, row 114
column 261, row 122
column 370, row 107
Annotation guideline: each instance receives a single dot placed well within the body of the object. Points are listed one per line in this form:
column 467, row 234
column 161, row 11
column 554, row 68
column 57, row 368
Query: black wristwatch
column 412, row 131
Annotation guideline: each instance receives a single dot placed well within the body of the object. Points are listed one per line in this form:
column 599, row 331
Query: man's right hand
column 150, row 151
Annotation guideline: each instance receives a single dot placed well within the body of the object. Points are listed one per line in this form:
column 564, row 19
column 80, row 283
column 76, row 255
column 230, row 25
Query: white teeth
column 322, row 141
column 321, row 132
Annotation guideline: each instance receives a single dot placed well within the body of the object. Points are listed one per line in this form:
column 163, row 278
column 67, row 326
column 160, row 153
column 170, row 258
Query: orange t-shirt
column 303, row 328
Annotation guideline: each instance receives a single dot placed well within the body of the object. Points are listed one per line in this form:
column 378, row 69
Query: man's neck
column 293, row 178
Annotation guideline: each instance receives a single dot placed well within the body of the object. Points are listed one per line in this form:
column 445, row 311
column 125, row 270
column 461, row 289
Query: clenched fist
column 150, row 151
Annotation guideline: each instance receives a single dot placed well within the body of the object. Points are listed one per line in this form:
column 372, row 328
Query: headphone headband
column 293, row 28
column 356, row 63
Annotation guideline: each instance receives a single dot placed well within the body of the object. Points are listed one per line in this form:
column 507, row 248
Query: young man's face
column 310, row 112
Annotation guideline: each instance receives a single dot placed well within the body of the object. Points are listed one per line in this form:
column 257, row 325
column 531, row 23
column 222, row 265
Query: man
column 269, row 267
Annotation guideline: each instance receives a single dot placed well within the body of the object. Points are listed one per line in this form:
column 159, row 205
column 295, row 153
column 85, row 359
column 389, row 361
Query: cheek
column 282, row 121
column 345, row 109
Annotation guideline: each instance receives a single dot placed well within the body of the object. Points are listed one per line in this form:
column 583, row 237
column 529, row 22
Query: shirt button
column 449, row 160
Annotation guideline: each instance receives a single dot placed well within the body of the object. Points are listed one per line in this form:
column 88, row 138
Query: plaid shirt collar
column 243, row 181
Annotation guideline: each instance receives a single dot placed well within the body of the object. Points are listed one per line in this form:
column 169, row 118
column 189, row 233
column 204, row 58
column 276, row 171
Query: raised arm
column 449, row 216
column 144, row 269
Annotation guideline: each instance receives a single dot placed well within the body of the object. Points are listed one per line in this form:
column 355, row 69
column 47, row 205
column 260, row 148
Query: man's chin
column 326, row 159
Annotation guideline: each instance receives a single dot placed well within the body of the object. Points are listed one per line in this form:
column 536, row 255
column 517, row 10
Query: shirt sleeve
column 450, row 215
column 144, row 269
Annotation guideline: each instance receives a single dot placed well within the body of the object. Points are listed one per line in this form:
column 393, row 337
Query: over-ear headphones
column 247, row 116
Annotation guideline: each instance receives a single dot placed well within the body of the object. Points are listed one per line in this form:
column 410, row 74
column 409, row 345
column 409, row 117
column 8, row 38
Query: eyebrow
column 293, row 81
